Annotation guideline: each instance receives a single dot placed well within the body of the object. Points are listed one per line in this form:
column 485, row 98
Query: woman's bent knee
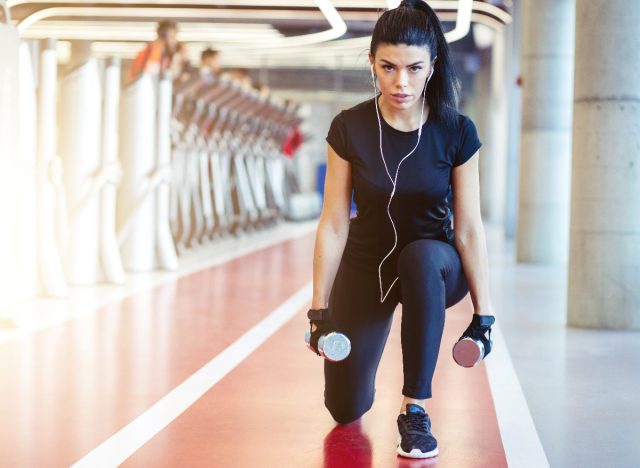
column 342, row 416
column 344, row 412
column 425, row 250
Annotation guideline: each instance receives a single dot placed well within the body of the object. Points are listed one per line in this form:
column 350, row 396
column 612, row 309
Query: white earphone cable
column 394, row 180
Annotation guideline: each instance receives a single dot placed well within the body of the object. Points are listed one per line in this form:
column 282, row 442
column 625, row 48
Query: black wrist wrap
column 478, row 328
column 319, row 317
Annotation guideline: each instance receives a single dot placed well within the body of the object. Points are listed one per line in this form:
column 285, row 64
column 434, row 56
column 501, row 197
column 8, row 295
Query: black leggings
column 430, row 279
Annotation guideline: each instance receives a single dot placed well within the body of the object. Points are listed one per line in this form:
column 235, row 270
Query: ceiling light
column 479, row 6
column 171, row 3
column 483, row 35
column 348, row 53
column 338, row 26
column 463, row 21
column 146, row 31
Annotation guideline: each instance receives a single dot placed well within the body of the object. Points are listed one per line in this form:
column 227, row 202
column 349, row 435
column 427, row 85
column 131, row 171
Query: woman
column 401, row 152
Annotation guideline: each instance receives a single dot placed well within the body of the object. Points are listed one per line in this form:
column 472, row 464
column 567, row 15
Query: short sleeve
column 337, row 136
column 469, row 142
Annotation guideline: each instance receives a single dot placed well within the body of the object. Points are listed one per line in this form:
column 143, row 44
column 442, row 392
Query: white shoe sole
column 416, row 453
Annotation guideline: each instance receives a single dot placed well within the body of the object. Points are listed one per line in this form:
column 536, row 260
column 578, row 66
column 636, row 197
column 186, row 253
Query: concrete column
column 482, row 81
column 497, row 134
column 604, row 260
column 547, row 70
column 514, row 34
column 492, row 129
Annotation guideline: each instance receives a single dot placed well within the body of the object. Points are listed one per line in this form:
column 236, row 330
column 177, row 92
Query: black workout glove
column 478, row 328
column 320, row 318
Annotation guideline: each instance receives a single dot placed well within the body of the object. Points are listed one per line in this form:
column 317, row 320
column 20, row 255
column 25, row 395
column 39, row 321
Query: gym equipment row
column 98, row 179
column 227, row 160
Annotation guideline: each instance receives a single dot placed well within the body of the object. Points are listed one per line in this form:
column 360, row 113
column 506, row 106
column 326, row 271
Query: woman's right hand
column 317, row 305
column 333, row 228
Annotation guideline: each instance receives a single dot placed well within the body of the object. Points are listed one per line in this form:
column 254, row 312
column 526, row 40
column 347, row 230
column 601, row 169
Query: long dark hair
column 415, row 23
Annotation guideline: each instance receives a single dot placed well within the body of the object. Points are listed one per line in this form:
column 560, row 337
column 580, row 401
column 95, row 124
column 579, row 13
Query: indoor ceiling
column 250, row 33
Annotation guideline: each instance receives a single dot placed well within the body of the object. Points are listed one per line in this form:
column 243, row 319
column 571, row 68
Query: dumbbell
column 330, row 344
column 474, row 344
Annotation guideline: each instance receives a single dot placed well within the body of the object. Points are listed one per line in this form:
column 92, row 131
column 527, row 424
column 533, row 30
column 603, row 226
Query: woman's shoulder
column 462, row 120
column 455, row 123
column 349, row 127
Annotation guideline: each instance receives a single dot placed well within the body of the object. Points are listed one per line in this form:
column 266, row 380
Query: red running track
column 269, row 412
column 68, row 388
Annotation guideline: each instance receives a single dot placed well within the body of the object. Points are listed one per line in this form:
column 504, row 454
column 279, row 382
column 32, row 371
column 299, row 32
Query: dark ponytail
column 414, row 23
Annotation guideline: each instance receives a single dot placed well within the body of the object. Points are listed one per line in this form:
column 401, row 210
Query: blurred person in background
column 210, row 62
column 240, row 75
column 262, row 88
column 164, row 53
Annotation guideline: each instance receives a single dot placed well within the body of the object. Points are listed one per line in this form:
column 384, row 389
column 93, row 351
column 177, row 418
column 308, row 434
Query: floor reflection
column 346, row 445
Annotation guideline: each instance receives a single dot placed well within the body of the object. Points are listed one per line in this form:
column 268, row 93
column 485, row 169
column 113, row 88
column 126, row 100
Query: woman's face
column 402, row 71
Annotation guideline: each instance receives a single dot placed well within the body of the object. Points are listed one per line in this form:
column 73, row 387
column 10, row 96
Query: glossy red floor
column 68, row 388
column 269, row 412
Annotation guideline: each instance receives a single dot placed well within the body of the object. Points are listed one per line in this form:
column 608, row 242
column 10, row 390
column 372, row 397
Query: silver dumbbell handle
column 334, row 346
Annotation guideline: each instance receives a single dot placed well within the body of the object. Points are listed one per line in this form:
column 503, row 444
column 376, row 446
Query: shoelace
column 416, row 422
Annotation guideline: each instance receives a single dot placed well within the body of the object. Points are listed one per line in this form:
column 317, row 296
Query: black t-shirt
column 420, row 206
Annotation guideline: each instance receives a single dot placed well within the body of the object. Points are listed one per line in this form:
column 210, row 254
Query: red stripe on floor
column 68, row 388
column 269, row 412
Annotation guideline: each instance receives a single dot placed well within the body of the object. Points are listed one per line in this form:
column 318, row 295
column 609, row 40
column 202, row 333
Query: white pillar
column 604, row 260
column 547, row 70
column 79, row 133
column 52, row 222
column 109, row 249
column 490, row 112
column 497, row 135
column 482, row 85
column 514, row 92
column 9, row 159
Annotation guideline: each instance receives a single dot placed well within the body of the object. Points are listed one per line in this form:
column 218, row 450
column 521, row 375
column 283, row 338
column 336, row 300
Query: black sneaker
column 416, row 440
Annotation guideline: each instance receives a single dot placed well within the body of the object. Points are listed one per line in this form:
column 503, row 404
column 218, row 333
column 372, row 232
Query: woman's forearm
column 327, row 254
column 472, row 248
